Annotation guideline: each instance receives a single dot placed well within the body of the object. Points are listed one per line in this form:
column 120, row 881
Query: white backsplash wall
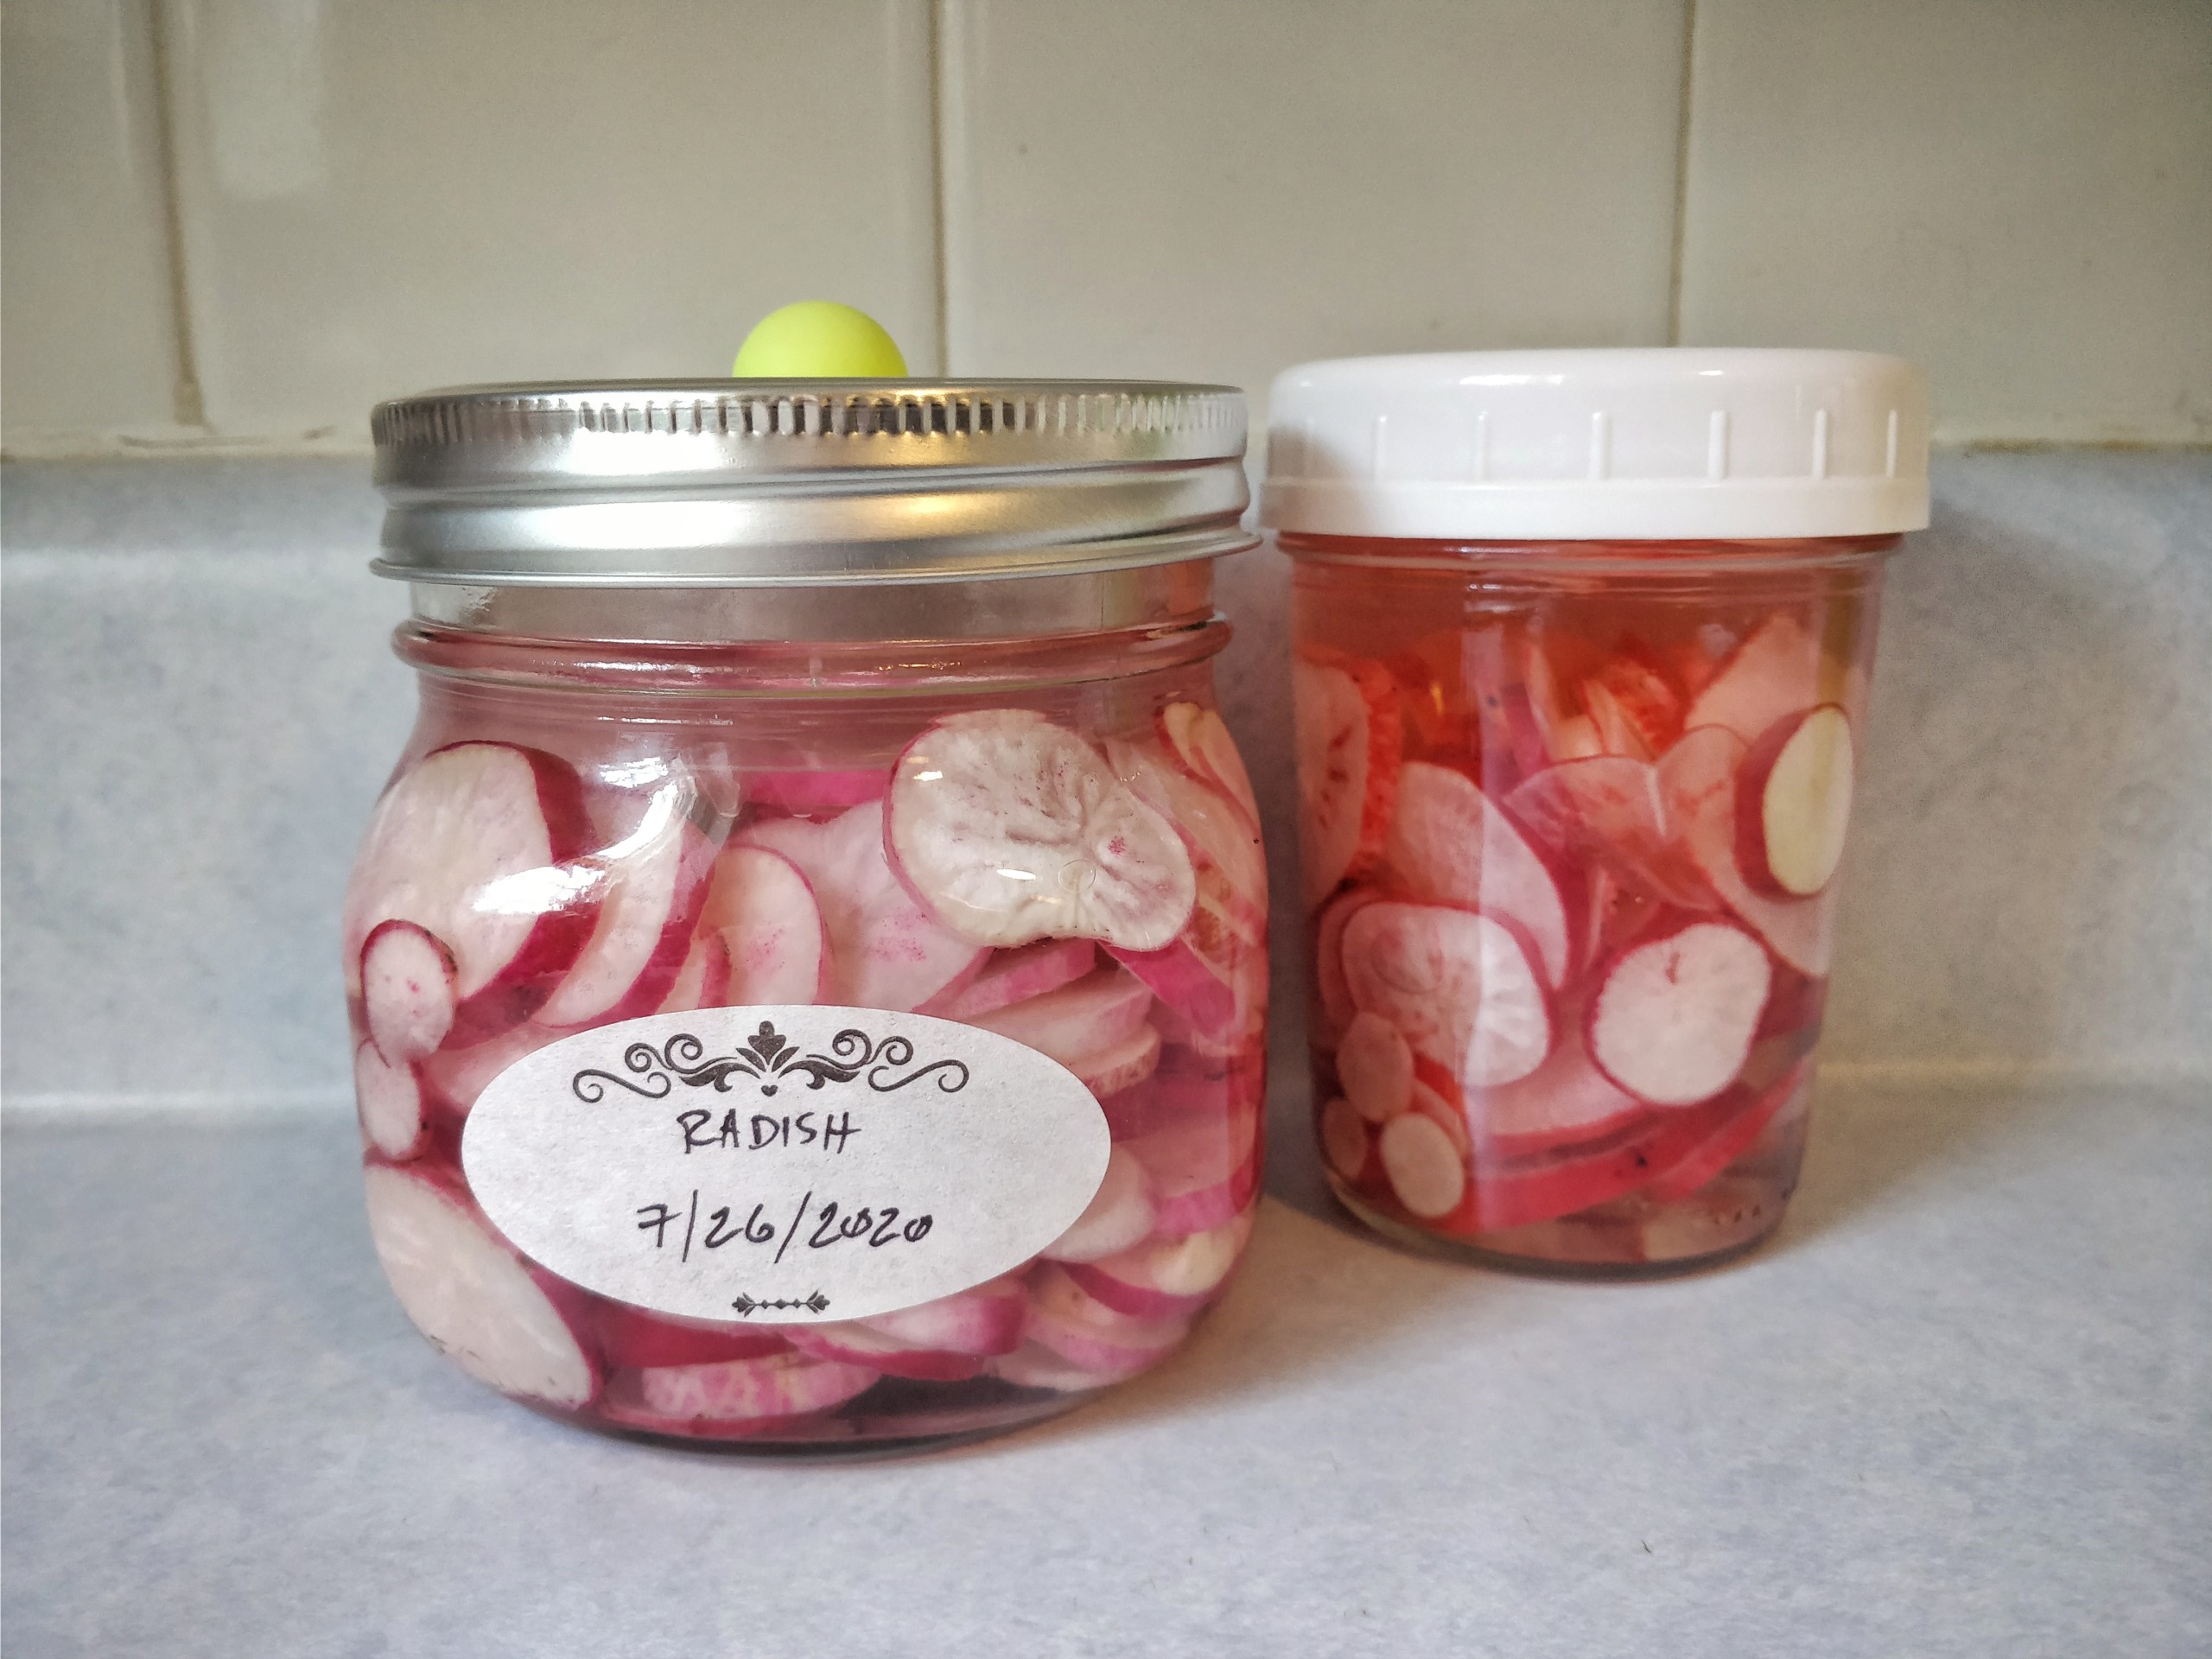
column 199, row 707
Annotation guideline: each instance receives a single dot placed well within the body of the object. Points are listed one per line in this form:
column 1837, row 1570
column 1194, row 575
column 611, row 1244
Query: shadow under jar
column 1582, row 648
column 807, row 970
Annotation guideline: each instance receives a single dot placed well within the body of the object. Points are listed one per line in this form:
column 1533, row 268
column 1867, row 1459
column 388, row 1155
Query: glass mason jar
column 807, row 971
column 1582, row 648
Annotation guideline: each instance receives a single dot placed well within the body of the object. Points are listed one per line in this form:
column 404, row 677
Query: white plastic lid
column 1651, row 445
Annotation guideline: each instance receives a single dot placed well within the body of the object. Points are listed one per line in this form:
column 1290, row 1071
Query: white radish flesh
column 1119, row 1214
column 1793, row 803
column 1375, row 1065
column 986, row 1319
column 1459, row 985
column 1423, row 1167
column 885, row 950
column 408, row 994
column 1165, row 1277
column 472, row 1296
column 474, row 844
column 703, row 980
column 771, row 925
column 1012, row 976
column 750, row 1390
column 1011, row 828
column 1699, row 779
column 1450, row 845
column 1071, row 1322
column 460, row 1075
column 1673, row 1021
column 1564, row 1100
column 1219, row 833
column 1201, row 1174
column 1202, row 742
column 389, row 1099
column 1100, row 1011
column 656, row 878
column 1121, row 1066
column 1034, row 1366
column 853, row 1344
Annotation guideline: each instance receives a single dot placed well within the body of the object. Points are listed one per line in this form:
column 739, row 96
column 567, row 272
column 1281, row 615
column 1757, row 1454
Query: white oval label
column 786, row 1165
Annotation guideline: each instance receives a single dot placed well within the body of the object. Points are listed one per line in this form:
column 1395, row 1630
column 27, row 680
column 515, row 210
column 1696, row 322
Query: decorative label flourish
column 768, row 1056
column 749, row 1306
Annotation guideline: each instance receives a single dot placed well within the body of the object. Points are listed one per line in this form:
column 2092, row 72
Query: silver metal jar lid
column 793, row 483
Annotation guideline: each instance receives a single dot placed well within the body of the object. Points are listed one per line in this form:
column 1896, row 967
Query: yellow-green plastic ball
column 818, row 340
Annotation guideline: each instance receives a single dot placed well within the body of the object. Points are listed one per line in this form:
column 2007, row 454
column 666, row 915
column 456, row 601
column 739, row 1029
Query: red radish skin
column 816, row 794
column 765, row 911
column 885, row 950
column 655, row 883
column 1011, row 976
column 635, row 1338
column 1201, row 741
column 1072, row 1323
column 1565, row 1101
column 408, row 995
column 853, row 1344
column 1376, row 1067
column 1119, row 1214
column 703, row 980
column 394, row 1121
column 1674, row 1018
column 1349, row 743
column 1344, row 1140
column 1450, row 845
column 1170, row 1097
column 1774, row 673
column 1188, row 983
column 1698, row 777
column 1424, row 1169
column 1731, row 1141
column 1518, row 1193
column 1793, row 803
column 1011, row 828
column 984, row 1320
column 476, row 844
column 747, row 1391
column 1459, row 985
column 1165, row 1277
column 472, row 1296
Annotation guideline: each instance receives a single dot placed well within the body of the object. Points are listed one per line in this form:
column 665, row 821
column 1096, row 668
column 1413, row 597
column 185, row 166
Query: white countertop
column 1962, row 1404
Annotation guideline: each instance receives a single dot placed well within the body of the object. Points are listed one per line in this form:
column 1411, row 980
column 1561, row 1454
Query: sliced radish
column 1698, row 777
column 1344, row 1140
column 1350, row 738
column 1201, row 1174
column 408, row 995
column 1119, row 1214
column 1521, row 1191
column 703, row 980
column 853, row 1344
column 1793, row 803
column 1079, row 1327
column 1034, row 1366
column 1457, row 985
column 1101, row 1010
column 986, row 1319
column 635, row 1338
column 811, row 794
column 1334, row 996
column 1183, row 979
column 460, row 1075
column 1011, row 976
column 1425, row 1169
column 1374, row 1067
column 1450, row 845
column 1119, row 1066
column 1218, row 832
column 1515, row 734
column 747, row 1392
column 389, row 1100
column 1731, row 1141
column 1564, row 1101
column 471, row 1295
column 1011, row 828
column 1202, row 742
column 475, row 845
column 1165, row 1277
column 1773, row 674
column 1611, row 810
column 655, row 882
column 764, row 911
column 886, row 950
column 1673, row 1020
